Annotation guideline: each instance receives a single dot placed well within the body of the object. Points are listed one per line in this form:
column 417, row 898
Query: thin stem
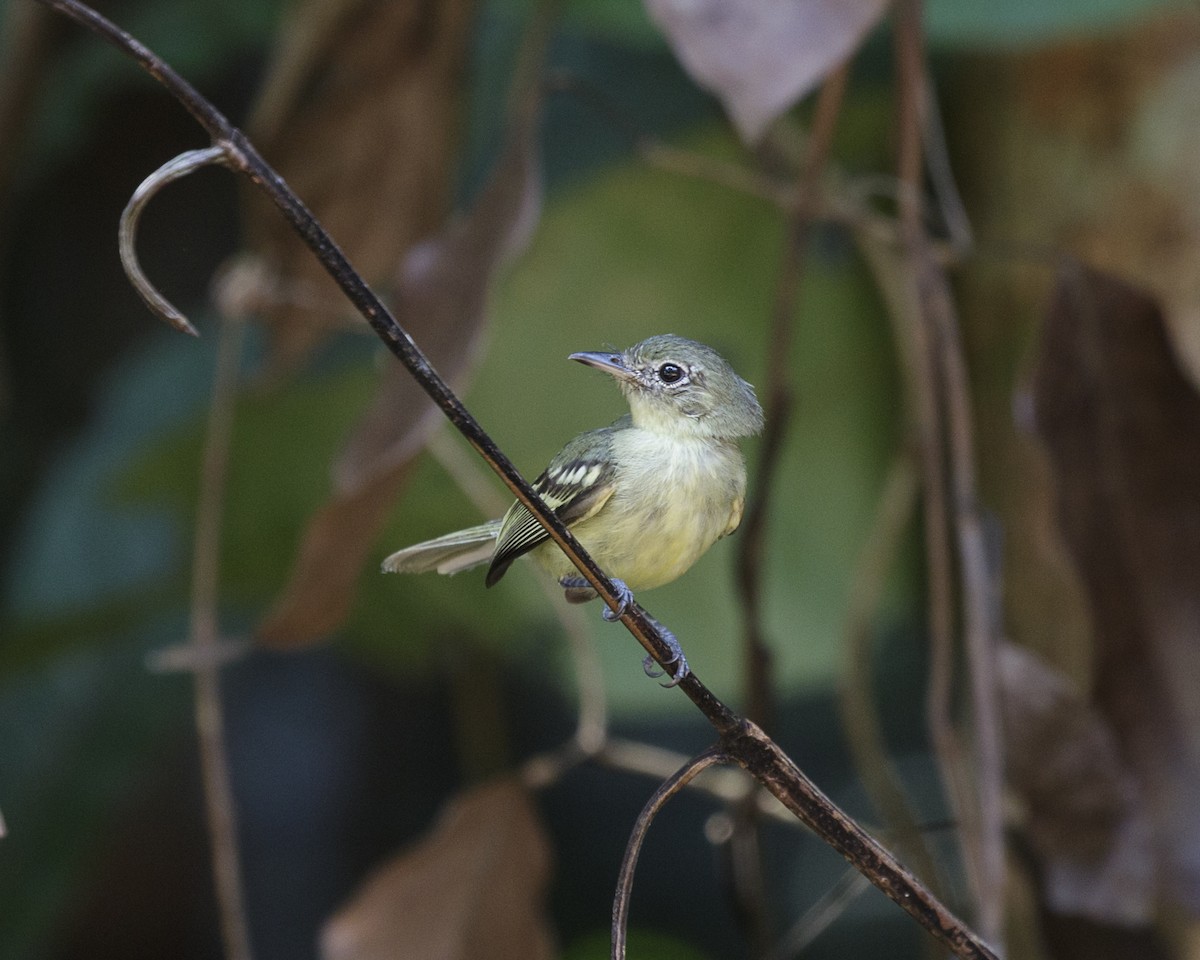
column 592, row 723
column 745, row 848
column 941, row 174
column 817, row 918
column 751, row 547
column 860, row 717
column 949, row 429
column 680, row 779
column 762, row 758
column 210, row 725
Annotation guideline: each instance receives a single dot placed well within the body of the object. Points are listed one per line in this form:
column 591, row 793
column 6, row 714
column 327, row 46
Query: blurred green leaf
column 985, row 23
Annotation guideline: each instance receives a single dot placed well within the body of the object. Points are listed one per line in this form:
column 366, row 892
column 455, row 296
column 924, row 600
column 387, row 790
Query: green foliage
column 985, row 23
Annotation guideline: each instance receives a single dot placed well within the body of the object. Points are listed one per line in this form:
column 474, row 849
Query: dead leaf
column 441, row 293
column 1083, row 816
column 1062, row 758
column 473, row 889
column 1089, row 144
column 759, row 57
column 336, row 543
column 361, row 114
column 441, row 297
column 1121, row 424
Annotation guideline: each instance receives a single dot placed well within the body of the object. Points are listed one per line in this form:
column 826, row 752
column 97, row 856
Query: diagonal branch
column 242, row 156
column 743, row 742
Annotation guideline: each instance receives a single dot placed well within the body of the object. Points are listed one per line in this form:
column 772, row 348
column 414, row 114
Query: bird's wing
column 578, row 482
column 735, row 516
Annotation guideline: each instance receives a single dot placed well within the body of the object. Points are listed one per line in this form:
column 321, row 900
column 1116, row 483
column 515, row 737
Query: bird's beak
column 610, row 363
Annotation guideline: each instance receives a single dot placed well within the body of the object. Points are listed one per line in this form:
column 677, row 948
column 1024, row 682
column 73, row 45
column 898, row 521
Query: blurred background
column 521, row 183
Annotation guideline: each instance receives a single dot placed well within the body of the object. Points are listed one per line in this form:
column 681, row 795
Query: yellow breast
column 674, row 498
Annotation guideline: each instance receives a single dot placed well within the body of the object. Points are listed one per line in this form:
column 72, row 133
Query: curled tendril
column 671, row 786
column 174, row 169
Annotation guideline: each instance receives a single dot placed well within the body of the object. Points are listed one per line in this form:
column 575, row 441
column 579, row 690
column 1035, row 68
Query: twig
column 744, row 743
column 941, row 175
column 210, row 725
column 759, row 697
column 681, row 778
column 592, row 725
column 817, row 918
column 860, row 718
column 745, row 849
column 205, row 652
column 979, row 810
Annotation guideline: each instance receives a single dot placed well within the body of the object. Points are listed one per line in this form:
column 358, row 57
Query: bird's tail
column 452, row 553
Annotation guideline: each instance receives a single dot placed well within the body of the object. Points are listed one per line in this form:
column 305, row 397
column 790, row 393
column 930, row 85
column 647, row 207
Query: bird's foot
column 624, row 599
column 578, row 589
column 677, row 664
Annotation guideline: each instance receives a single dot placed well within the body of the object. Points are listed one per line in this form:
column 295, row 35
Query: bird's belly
column 665, row 513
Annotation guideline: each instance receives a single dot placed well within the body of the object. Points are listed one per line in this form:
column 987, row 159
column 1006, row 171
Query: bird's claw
column 624, row 599
column 678, row 662
column 623, row 593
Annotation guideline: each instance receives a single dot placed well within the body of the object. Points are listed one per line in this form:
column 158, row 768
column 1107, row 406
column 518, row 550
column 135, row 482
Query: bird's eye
column 670, row 372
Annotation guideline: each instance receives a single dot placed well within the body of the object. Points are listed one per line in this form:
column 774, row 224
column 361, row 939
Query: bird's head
column 679, row 386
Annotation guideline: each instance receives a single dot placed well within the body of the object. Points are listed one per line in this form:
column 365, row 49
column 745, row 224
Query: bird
column 646, row 495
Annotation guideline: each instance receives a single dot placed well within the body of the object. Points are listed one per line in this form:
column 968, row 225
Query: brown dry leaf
column 361, row 114
column 1083, row 815
column 472, row 889
column 441, row 295
column 1121, row 424
column 320, row 589
column 758, row 57
column 1090, row 145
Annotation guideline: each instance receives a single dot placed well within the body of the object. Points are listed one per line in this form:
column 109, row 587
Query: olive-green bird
column 646, row 495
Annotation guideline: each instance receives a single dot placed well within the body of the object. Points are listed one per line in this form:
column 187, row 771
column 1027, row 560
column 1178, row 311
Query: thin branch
column 941, row 174
column 729, row 785
column 860, row 717
column 980, row 611
column 979, row 809
column 210, row 724
column 763, row 759
column 778, row 405
column 592, row 724
column 817, row 918
column 742, row 741
column 681, row 778
column 744, row 847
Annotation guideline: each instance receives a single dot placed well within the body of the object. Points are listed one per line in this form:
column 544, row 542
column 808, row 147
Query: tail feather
column 448, row 554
